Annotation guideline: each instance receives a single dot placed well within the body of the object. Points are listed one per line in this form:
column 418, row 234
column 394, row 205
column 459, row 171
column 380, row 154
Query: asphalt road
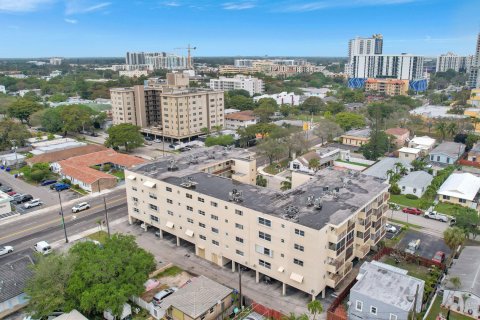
column 24, row 231
column 429, row 226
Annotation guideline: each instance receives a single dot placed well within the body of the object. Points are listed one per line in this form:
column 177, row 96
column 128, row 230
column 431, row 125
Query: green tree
column 418, row 164
column 75, row 118
column 261, row 181
column 312, row 105
column 442, row 128
column 452, row 129
column 286, row 184
column 51, row 120
column 471, row 140
column 58, row 97
column 327, row 129
column 377, row 146
column 239, row 92
column 314, row 164
column 315, row 308
column 12, row 134
column 264, row 112
column 223, row 140
column 453, row 237
column 272, row 149
column 335, row 107
column 22, row 109
column 126, row 135
column 349, row 120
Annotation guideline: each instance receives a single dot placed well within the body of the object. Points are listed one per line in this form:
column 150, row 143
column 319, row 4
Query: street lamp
column 63, row 218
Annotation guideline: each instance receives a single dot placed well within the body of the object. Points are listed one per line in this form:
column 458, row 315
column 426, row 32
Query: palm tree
column 218, row 128
column 441, row 127
column 315, row 307
column 291, row 316
column 465, row 297
column 314, row 164
column 454, row 237
column 452, row 128
column 390, row 174
column 398, row 167
column 403, row 171
column 286, row 184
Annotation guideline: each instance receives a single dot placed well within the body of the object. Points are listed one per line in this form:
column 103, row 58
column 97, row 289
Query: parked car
column 158, row 298
column 80, row 207
column 5, row 250
column 158, row 140
column 24, row 198
column 390, row 228
column 5, row 189
column 11, row 193
column 148, row 138
column 33, row 203
column 413, row 246
column 60, row 186
column 439, row 257
column 47, row 182
column 435, row 216
column 185, row 149
column 42, row 247
column 15, row 197
column 414, row 211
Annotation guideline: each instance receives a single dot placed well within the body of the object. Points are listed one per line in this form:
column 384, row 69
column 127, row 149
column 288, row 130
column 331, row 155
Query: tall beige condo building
column 168, row 109
column 305, row 237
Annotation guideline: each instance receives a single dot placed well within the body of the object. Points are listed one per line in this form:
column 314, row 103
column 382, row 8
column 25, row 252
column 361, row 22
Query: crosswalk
column 8, row 214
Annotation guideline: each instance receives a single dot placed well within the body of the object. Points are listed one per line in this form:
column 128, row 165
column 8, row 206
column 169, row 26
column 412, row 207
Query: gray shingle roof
column 452, row 149
column 13, row 277
column 416, row 179
column 467, row 268
column 380, row 168
column 197, row 296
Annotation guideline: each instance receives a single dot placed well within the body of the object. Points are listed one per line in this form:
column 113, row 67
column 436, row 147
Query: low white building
column 424, row 143
column 5, row 206
column 241, row 119
column 133, row 73
column 315, row 92
column 55, row 73
column 325, row 157
column 239, row 82
column 409, row 154
column 281, row 98
column 415, row 183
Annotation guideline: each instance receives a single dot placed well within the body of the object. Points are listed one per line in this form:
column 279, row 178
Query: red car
column 414, row 211
column 11, row 193
column 439, row 257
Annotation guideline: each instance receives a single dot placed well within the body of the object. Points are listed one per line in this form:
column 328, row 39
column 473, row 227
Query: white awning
column 281, row 269
column 189, row 233
column 131, row 177
column 170, row 224
column 296, row 277
column 149, row 184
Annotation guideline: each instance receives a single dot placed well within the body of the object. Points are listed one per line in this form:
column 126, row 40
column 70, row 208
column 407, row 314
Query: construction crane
column 189, row 58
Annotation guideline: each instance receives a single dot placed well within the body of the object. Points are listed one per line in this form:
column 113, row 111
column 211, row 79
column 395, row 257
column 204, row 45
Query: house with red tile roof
column 79, row 169
column 401, row 135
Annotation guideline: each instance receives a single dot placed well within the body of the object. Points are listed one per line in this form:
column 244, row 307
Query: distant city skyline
column 102, row 28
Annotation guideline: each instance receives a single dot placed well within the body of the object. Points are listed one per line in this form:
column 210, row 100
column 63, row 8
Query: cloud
column 22, row 5
column 72, row 21
column 238, row 5
column 77, row 6
column 319, row 5
column 171, row 4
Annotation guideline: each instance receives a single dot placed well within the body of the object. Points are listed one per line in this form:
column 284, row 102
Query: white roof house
column 461, row 185
column 424, row 143
column 410, row 150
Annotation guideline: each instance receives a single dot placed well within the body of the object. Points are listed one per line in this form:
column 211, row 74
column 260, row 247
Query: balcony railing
column 337, row 263
column 364, row 249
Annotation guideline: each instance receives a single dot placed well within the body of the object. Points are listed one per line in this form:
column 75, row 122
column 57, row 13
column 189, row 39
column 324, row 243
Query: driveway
column 428, row 226
column 429, row 244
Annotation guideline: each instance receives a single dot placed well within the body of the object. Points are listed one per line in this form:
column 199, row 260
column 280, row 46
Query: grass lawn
column 445, row 208
column 436, row 309
column 100, row 236
column 414, row 270
column 79, row 190
column 120, row 174
column 276, row 167
column 410, row 225
column 355, row 163
column 402, row 200
column 169, row 272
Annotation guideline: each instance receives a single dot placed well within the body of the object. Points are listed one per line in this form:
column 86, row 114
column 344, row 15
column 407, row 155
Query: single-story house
column 415, row 183
column 79, row 169
column 72, row 315
column 474, row 153
column 56, row 156
column 383, row 291
column 199, row 299
column 401, row 135
column 464, row 297
column 12, row 159
column 381, row 168
column 409, row 154
column 460, row 188
column 14, row 276
column 325, row 157
column 241, row 119
column 5, row 205
column 425, row 143
column 447, row 152
column 356, row 137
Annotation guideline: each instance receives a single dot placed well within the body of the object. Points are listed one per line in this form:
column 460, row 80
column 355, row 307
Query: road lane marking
column 55, row 221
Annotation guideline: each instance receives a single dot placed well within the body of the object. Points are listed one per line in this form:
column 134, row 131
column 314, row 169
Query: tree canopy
column 23, row 108
column 222, row 140
column 349, row 120
column 126, row 135
column 12, row 134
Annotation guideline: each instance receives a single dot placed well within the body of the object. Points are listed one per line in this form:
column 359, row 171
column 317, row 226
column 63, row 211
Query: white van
column 42, row 247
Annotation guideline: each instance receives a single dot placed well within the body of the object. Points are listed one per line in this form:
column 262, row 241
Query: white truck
column 413, row 246
column 436, row 216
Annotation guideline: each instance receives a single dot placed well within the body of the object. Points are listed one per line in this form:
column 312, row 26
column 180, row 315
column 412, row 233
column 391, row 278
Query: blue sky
column 82, row 28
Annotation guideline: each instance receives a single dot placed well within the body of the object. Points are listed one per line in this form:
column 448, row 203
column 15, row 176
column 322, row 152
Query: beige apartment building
column 389, row 87
column 305, row 237
column 170, row 110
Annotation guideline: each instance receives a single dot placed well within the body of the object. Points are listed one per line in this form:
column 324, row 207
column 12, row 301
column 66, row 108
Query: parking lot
column 44, row 193
column 429, row 244
column 390, row 235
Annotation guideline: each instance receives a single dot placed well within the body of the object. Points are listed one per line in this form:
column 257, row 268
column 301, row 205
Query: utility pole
column 63, row 218
column 106, row 216
column 240, row 287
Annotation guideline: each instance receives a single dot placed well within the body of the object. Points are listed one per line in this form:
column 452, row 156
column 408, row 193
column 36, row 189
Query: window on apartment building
column 462, row 200
column 215, row 242
column 214, row 217
column 169, row 201
column 136, row 210
column 299, row 247
column 264, row 236
column 168, row 189
column 263, row 250
column 201, row 212
column 189, row 220
column 239, row 212
column 264, row 264
column 214, row 230
column 153, row 218
column 202, row 237
column 446, row 197
column 189, row 208
column 373, row 310
column 134, row 188
column 393, row 316
column 300, row 232
column 238, row 239
column 170, row 213
column 264, row 221
column 201, row 199
column 152, row 195
column 239, row 226
column 202, row 225
column 213, row 204
column 135, row 199
column 298, row 262
column 153, row 207
column 240, row 253
column 358, row 305
column 188, row 195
